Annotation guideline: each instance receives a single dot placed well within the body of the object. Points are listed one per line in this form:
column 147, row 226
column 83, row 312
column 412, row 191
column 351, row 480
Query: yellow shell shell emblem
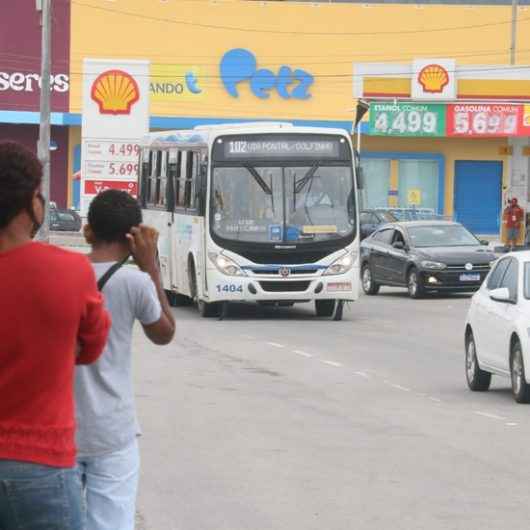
column 433, row 78
column 115, row 92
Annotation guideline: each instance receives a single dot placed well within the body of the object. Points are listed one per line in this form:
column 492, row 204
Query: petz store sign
column 240, row 67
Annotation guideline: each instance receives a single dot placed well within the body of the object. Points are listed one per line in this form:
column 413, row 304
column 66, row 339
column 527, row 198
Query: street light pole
column 43, row 146
column 514, row 31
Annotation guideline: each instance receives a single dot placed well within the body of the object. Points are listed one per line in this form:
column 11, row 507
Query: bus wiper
column 257, row 177
column 307, row 178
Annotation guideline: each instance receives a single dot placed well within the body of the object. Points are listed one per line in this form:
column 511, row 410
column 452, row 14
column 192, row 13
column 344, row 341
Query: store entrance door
column 478, row 191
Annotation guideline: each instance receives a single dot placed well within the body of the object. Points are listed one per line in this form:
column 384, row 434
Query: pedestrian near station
column 52, row 317
column 109, row 459
column 513, row 218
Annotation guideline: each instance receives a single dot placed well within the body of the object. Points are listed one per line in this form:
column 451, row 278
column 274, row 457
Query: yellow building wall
column 452, row 149
column 323, row 39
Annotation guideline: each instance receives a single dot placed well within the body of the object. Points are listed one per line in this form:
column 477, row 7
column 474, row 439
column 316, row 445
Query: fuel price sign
column 407, row 119
column 478, row 120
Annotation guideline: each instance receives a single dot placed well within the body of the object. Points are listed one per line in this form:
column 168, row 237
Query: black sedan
column 371, row 219
column 424, row 256
column 64, row 220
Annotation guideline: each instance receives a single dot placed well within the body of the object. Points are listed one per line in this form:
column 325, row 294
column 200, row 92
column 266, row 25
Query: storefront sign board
column 407, row 119
column 115, row 117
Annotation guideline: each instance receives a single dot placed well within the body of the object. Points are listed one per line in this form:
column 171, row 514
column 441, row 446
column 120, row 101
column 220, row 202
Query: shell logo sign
column 433, row 78
column 115, row 92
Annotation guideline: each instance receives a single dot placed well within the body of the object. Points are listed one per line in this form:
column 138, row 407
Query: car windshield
column 283, row 203
column 441, row 236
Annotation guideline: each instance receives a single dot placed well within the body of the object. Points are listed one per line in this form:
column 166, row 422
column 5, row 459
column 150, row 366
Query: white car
column 498, row 327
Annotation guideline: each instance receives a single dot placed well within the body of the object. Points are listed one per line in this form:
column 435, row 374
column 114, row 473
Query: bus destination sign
column 242, row 148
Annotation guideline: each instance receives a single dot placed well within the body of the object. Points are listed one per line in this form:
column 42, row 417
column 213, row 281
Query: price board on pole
column 483, row 120
column 407, row 119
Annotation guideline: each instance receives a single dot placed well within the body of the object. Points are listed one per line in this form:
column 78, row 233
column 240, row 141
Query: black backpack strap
column 106, row 277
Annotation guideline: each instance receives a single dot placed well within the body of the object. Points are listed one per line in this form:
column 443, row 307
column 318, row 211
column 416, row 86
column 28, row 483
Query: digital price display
column 281, row 147
column 478, row 120
column 407, row 119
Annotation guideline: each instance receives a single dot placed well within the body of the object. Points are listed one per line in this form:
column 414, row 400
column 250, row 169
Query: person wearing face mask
column 51, row 317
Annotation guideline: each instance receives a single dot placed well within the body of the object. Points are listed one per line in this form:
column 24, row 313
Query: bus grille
column 284, row 287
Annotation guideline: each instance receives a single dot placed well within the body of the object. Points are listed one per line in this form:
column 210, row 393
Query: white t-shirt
column 105, row 408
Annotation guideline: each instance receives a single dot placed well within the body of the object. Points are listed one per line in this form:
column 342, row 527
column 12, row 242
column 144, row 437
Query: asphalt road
column 283, row 421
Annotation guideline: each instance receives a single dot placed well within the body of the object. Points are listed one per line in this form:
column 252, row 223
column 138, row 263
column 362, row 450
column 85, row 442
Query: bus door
column 184, row 219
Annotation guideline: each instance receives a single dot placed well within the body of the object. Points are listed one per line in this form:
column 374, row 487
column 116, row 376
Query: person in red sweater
column 51, row 317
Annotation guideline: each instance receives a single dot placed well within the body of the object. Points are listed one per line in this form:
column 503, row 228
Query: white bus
column 256, row 212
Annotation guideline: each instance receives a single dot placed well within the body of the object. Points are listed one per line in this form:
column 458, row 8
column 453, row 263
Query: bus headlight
column 340, row 266
column 225, row 265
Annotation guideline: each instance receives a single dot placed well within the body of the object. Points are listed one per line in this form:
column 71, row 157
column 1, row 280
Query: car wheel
column 414, row 286
column 325, row 308
column 369, row 286
column 520, row 388
column 477, row 380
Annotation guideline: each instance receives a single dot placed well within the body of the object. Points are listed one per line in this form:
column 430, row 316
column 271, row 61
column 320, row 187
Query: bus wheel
column 208, row 310
column 325, row 308
column 177, row 300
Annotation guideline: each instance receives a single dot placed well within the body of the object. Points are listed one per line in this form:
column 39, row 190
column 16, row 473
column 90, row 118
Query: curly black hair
column 112, row 214
column 20, row 176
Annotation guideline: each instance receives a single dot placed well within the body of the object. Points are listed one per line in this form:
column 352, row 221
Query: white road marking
column 275, row 345
column 332, row 363
column 488, row 415
column 362, row 374
column 512, row 424
column 435, row 399
column 302, row 353
column 399, row 387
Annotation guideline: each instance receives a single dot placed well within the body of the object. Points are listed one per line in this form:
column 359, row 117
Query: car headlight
column 225, row 265
column 340, row 266
column 433, row 265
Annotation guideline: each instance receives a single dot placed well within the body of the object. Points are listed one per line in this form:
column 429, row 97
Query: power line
column 294, row 32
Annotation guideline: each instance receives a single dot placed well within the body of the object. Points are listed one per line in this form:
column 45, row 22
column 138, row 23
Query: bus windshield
column 283, row 203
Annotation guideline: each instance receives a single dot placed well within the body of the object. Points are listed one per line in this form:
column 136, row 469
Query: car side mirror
column 501, row 295
column 484, row 242
column 399, row 245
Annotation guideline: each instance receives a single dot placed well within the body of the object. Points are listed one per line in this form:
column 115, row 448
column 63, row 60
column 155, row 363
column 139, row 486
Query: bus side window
column 151, row 188
column 161, row 179
column 145, row 174
column 180, row 177
column 191, row 169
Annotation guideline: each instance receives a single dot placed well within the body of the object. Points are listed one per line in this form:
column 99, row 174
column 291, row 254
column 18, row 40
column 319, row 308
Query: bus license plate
column 470, row 277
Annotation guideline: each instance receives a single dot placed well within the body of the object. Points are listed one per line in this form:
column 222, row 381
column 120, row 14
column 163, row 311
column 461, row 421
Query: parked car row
column 373, row 218
column 64, row 220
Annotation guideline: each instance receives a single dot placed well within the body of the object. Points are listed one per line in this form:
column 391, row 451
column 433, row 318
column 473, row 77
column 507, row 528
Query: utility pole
column 514, row 31
column 43, row 146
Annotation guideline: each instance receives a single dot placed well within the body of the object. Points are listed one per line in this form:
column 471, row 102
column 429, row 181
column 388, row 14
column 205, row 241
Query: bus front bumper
column 271, row 288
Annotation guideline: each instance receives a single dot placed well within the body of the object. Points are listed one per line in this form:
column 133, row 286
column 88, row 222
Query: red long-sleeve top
column 49, row 303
